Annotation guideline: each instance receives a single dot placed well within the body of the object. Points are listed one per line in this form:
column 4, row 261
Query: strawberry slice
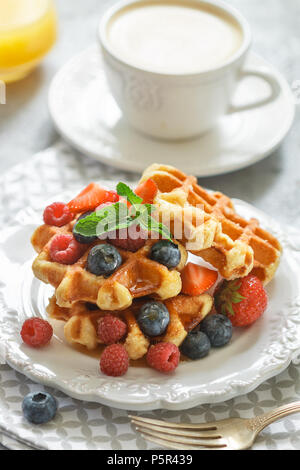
column 112, row 196
column 89, row 198
column 197, row 279
column 147, row 191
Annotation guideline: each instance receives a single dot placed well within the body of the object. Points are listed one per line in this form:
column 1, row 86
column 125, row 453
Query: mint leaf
column 153, row 225
column 125, row 191
column 88, row 225
column 105, row 220
column 117, row 216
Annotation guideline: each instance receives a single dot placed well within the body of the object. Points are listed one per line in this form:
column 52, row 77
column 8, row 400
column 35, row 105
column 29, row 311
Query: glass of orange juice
column 27, row 33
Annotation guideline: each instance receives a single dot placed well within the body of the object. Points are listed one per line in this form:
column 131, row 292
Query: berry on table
column 39, row 407
column 114, row 360
column 242, row 300
column 166, row 253
column 57, row 214
column 103, row 260
column 153, row 318
column 195, row 345
column 197, row 279
column 64, row 249
column 163, row 357
column 218, row 328
column 36, row 332
column 111, row 329
column 83, row 238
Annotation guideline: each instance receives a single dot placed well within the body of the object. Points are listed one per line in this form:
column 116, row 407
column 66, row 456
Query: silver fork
column 226, row 434
column 14, row 437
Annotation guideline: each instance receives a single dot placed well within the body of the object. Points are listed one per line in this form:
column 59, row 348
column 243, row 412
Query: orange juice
column 27, row 32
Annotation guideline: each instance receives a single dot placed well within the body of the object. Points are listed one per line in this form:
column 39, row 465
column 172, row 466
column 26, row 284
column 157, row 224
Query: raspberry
column 163, row 357
column 111, row 329
column 114, row 360
column 131, row 239
column 36, row 332
column 57, row 214
column 65, row 249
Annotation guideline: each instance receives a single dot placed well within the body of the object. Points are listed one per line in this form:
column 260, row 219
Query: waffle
column 235, row 246
column 81, row 322
column 138, row 275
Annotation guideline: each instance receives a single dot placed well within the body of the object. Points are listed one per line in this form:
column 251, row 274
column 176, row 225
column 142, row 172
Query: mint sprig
column 118, row 216
column 125, row 191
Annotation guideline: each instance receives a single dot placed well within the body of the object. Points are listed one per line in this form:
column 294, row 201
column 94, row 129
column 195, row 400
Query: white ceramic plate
column 86, row 115
column 254, row 354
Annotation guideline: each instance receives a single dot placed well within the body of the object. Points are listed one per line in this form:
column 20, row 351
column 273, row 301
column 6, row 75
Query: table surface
column 272, row 185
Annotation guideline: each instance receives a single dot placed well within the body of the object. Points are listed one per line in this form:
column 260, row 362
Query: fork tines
column 179, row 436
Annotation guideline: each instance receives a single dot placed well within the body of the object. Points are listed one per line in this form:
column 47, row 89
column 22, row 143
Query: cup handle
column 267, row 77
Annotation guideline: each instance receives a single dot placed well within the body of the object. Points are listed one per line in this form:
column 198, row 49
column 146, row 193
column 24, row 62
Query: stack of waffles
column 210, row 229
column 233, row 245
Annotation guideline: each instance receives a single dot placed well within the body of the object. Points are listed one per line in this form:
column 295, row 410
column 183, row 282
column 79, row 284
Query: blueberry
column 196, row 345
column 218, row 328
column 82, row 238
column 166, row 253
column 153, row 318
column 103, row 260
column 39, row 408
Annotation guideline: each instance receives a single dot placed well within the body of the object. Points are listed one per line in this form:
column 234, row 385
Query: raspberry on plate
column 114, row 360
column 57, row 214
column 131, row 239
column 64, row 249
column 36, row 332
column 163, row 357
column 242, row 300
column 111, row 329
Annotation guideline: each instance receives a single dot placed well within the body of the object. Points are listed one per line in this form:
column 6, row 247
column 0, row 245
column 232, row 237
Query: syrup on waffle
column 233, row 245
column 138, row 276
column 81, row 323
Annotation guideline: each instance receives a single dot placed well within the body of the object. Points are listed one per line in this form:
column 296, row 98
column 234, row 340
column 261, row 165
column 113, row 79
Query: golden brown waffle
column 81, row 323
column 237, row 246
column 136, row 277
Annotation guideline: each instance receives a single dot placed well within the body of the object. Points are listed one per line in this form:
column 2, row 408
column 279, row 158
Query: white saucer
column 86, row 115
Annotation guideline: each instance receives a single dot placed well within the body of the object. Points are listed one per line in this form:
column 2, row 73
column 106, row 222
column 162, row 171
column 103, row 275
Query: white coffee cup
column 179, row 105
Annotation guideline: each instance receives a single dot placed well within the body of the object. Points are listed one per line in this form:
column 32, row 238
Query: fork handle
column 258, row 423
